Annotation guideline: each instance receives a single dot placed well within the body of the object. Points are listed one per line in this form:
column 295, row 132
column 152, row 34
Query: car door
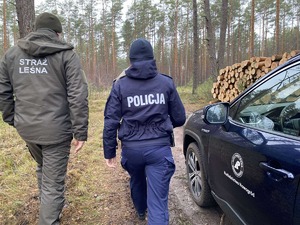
column 254, row 160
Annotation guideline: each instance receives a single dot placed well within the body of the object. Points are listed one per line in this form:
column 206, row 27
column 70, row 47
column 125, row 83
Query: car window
column 274, row 105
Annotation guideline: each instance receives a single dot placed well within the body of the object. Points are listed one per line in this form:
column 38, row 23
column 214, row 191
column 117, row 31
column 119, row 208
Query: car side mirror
column 216, row 114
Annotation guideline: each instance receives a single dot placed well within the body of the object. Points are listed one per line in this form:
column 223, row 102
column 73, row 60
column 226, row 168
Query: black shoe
column 141, row 216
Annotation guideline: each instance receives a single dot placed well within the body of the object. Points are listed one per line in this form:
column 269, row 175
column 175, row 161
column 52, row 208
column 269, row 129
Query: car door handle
column 276, row 174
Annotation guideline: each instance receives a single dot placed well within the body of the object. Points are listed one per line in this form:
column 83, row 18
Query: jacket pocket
column 169, row 168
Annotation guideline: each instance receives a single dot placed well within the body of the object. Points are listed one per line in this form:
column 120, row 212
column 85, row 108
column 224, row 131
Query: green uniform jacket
column 43, row 90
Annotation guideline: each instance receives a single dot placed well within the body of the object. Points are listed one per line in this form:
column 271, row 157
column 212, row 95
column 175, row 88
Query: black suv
column 245, row 155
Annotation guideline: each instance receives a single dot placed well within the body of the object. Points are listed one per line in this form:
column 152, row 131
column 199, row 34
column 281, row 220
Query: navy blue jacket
column 143, row 108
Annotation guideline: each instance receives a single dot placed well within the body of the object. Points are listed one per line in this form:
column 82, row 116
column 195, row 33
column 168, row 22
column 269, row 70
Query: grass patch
column 95, row 193
column 17, row 173
column 201, row 97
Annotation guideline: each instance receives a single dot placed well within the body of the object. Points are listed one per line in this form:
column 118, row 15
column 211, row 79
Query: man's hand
column 78, row 145
column 111, row 162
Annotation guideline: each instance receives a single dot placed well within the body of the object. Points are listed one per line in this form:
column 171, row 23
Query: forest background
column 192, row 39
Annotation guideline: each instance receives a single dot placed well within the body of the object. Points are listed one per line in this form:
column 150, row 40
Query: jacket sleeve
column 112, row 118
column 77, row 90
column 7, row 102
column 176, row 108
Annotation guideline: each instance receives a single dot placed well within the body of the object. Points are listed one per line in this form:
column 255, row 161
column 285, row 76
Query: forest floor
column 95, row 194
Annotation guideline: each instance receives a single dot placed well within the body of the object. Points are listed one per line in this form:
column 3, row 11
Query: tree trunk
column 26, row 16
column 175, row 44
column 187, row 52
column 220, row 62
column 263, row 34
column 163, row 60
column 251, row 46
column 105, row 42
column 277, row 26
column 210, row 38
column 5, row 41
column 283, row 31
column 196, row 46
column 113, row 47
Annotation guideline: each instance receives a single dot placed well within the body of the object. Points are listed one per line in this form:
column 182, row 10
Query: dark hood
column 142, row 70
column 43, row 42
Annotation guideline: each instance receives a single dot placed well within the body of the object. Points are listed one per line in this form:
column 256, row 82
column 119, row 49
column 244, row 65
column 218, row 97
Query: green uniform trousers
column 52, row 162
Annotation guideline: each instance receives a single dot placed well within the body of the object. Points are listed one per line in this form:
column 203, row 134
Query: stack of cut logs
column 234, row 79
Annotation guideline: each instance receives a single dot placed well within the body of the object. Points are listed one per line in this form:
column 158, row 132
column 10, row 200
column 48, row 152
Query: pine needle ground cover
column 95, row 194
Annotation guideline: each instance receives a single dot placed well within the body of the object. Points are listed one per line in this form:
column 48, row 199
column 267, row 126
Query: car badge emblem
column 237, row 165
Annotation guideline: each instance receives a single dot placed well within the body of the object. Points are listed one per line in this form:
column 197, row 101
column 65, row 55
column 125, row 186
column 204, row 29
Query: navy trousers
column 150, row 170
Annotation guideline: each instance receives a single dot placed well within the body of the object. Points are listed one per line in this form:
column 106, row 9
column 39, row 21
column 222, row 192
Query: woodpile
column 232, row 80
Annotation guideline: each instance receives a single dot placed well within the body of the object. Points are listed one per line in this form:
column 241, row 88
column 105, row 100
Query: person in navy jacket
column 142, row 109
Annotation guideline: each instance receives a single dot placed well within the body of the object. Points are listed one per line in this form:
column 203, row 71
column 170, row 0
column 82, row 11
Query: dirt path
column 180, row 203
column 111, row 205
